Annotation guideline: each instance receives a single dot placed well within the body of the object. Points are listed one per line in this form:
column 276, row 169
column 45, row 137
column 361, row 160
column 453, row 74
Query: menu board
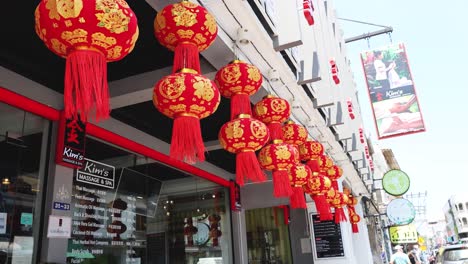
column 327, row 238
column 107, row 217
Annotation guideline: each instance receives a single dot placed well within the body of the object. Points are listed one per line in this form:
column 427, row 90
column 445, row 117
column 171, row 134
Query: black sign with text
column 71, row 143
column 327, row 238
column 96, row 173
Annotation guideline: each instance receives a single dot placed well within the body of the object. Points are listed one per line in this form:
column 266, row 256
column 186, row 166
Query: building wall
column 456, row 215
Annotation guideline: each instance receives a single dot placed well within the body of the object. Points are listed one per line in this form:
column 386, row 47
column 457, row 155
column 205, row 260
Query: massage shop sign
column 391, row 91
column 96, row 173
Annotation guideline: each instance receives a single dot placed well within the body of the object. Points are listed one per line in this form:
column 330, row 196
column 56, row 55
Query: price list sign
column 327, row 238
column 103, row 223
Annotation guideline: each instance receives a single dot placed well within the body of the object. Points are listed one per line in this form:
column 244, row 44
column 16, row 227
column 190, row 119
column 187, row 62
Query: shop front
column 123, row 203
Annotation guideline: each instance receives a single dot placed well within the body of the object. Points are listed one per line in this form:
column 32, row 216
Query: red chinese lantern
column 272, row 111
column 354, row 218
column 334, row 173
column 294, row 134
column 186, row 97
column 338, row 200
column 325, row 163
column 187, row 29
column 279, row 157
column 238, row 80
column 318, row 186
column 243, row 136
column 334, row 71
column 310, row 149
column 88, row 33
column 308, row 9
column 299, row 174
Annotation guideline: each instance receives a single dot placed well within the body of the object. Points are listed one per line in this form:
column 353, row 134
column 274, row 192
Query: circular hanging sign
column 401, row 212
column 395, row 182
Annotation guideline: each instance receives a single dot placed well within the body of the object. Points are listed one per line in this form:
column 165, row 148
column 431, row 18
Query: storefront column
column 239, row 237
column 301, row 247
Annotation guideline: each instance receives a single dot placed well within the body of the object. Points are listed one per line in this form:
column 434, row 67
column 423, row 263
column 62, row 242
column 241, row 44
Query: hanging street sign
column 400, row 212
column 403, row 234
column 396, row 182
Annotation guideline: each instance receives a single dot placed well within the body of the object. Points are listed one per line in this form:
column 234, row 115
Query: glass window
column 464, row 221
column 268, row 236
column 21, row 172
column 145, row 212
column 456, row 254
column 460, row 206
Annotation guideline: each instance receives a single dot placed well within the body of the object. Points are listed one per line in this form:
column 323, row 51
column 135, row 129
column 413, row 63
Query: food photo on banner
column 391, row 91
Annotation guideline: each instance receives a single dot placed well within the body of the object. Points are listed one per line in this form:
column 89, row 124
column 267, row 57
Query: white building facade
column 456, row 215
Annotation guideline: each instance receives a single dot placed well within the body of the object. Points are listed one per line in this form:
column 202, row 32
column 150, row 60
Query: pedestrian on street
column 399, row 257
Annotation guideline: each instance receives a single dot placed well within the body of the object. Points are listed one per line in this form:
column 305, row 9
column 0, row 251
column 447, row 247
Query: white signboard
column 59, row 226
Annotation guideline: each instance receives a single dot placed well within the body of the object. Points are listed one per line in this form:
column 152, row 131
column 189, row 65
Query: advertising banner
column 391, row 91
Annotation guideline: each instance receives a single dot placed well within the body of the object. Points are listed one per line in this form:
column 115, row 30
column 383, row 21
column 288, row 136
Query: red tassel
column 240, row 104
column 187, row 142
column 323, row 207
column 340, row 215
column 281, row 187
column 247, row 166
column 186, row 56
column 86, row 85
column 335, row 185
column 297, row 198
column 276, row 130
column 355, row 228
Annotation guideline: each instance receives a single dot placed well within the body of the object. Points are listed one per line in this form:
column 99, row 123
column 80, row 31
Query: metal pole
column 370, row 34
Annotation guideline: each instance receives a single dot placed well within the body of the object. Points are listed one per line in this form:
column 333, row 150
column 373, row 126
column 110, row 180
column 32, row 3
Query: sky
column 436, row 41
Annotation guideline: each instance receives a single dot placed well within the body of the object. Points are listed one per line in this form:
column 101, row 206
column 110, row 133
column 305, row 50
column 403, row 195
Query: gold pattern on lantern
column 315, row 183
column 133, row 41
column 289, row 133
column 278, row 105
column 58, row 46
column 172, row 88
column 210, row 23
column 199, row 38
column 37, row 27
column 123, row 3
column 160, row 22
column 180, row 108
column 189, row 4
column 197, row 109
column 185, row 33
column 115, row 21
column 265, row 158
column 102, row 40
column 231, row 74
column 234, row 130
column 76, row 36
column 203, row 88
column 254, row 145
column 106, row 5
column 170, row 38
column 302, row 132
column 222, row 142
column 258, row 129
column 64, row 8
column 239, row 145
column 301, row 172
column 260, row 109
column 283, row 153
column 114, row 53
column 254, row 74
column 183, row 16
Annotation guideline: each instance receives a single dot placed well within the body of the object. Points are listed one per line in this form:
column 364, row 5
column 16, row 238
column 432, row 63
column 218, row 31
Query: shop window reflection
column 154, row 214
column 268, row 236
column 21, row 142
